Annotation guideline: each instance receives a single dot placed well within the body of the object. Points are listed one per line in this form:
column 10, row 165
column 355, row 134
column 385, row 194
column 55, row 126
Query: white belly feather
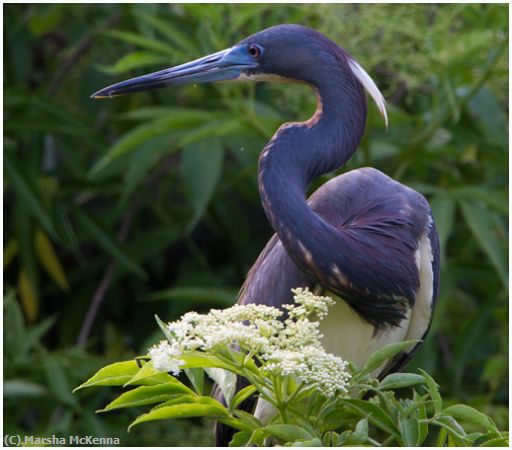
column 348, row 336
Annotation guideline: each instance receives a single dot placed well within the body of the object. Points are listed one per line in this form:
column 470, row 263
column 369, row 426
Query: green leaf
column 242, row 395
column 164, row 328
column 287, row 433
column 141, row 41
column 27, row 192
column 409, row 429
column 482, row 224
column 201, row 166
column 240, row 439
column 443, row 210
column 180, row 412
column 468, row 414
column 108, row 243
column 194, row 294
column 375, row 414
column 450, row 425
column 147, row 395
column 200, row 360
column 486, row 108
column 400, row 380
column 117, row 374
column 135, row 60
column 422, row 419
column 316, row 442
column 360, row 434
column 49, row 260
column 433, row 390
column 179, row 120
column 150, row 375
column 196, row 377
column 380, row 357
column 58, row 381
column 28, row 296
column 18, row 388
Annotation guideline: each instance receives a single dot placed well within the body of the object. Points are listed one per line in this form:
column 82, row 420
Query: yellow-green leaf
column 28, row 296
column 182, row 411
column 10, row 251
column 49, row 260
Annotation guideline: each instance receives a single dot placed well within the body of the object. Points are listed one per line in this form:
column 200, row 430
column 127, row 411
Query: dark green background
column 153, row 198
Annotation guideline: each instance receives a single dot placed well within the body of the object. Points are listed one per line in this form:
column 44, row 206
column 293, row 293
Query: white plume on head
column 370, row 87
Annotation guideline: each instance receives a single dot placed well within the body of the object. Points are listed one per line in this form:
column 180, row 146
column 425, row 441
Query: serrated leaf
column 116, row 374
column 196, row 377
column 49, row 260
column 147, row 395
column 180, row 412
column 200, row 360
column 400, row 380
column 148, row 372
column 108, row 243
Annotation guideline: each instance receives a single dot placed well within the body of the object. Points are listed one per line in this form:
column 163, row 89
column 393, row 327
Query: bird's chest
column 346, row 335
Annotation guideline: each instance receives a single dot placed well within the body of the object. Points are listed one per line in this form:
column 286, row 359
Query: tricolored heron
column 362, row 236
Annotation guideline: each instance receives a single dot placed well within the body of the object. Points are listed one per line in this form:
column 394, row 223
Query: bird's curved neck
column 300, row 152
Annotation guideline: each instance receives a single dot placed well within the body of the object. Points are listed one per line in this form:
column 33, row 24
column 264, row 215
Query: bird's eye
column 255, row 51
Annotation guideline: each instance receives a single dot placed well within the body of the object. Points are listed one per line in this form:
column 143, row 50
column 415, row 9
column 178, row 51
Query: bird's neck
column 300, row 152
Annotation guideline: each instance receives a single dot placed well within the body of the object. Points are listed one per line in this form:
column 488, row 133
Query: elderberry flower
column 164, row 357
column 289, row 347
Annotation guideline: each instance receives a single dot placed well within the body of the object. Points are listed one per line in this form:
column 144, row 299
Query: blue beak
column 227, row 64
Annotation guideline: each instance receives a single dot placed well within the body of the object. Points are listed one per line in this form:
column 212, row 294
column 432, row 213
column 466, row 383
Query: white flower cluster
column 288, row 347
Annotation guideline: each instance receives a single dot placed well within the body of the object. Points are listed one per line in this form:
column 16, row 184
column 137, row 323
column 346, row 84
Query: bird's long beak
column 227, row 64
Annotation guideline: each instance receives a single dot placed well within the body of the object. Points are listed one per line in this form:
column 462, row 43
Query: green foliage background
column 149, row 203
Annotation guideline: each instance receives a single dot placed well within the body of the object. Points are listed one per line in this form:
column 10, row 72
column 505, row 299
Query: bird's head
column 290, row 53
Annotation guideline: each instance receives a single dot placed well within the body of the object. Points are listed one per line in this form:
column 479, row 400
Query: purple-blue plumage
column 363, row 236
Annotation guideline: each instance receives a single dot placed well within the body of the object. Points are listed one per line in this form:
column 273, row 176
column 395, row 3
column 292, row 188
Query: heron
column 365, row 239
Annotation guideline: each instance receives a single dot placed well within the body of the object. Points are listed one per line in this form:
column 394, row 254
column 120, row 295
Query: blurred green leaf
column 201, row 169
column 26, row 190
column 15, row 388
column 135, row 60
column 482, row 224
column 108, row 243
column 50, row 260
column 140, row 41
